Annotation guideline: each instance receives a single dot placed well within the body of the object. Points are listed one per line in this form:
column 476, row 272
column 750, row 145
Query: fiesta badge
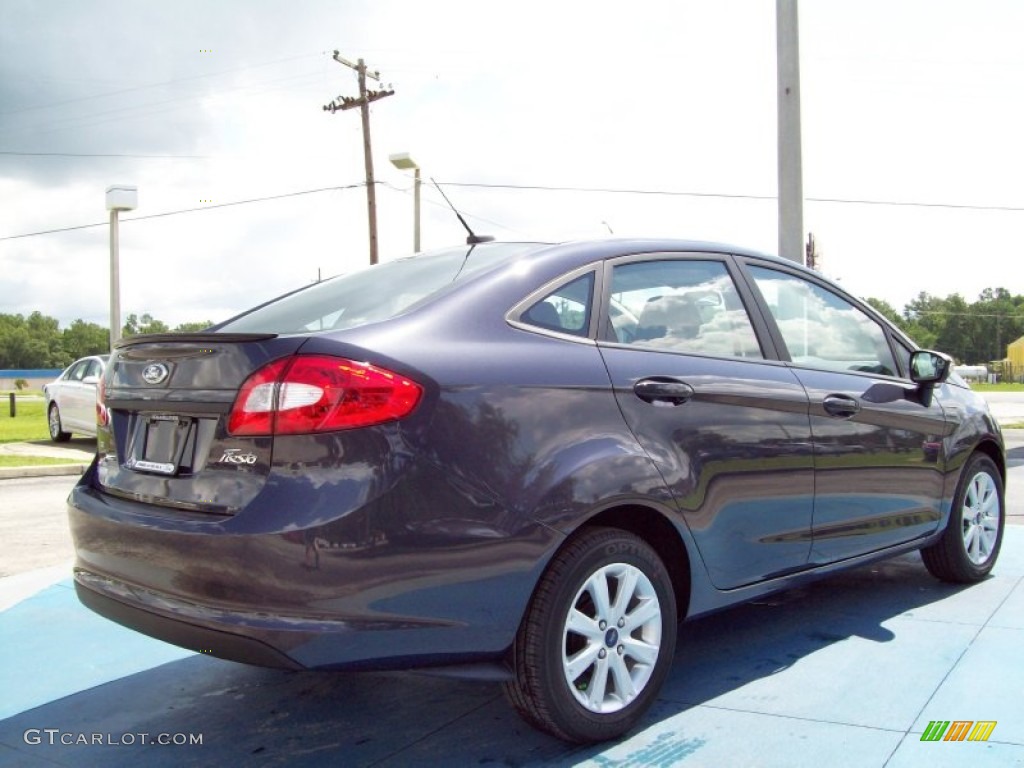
column 154, row 373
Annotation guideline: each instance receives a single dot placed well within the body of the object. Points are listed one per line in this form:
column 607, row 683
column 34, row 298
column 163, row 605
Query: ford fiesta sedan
column 526, row 462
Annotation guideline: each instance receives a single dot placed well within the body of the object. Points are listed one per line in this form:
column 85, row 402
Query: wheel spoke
column 984, row 545
column 581, row 624
column 598, row 589
column 643, row 613
column 624, row 686
column 598, row 685
column 969, row 535
column 627, row 586
column 579, row 662
column 990, row 504
column 641, row 652
column 971, row 497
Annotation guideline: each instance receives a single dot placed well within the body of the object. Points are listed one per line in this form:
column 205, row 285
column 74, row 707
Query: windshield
column 373, row 294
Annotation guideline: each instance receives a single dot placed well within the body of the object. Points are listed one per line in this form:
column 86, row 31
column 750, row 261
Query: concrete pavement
column 78, row 451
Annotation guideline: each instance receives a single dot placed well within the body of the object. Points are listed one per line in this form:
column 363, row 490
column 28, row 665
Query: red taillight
column 317, row 393
column 102, row 416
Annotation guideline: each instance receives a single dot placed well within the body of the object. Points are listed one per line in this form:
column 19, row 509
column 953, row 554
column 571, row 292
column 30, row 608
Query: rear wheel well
column 661, row 535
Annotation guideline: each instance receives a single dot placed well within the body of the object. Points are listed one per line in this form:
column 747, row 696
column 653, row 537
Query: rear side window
column 822, row 329
column 566, row 309
column 687, row 306
column 374, row 294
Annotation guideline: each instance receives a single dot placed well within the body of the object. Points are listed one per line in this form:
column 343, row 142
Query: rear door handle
column 841, row 406
column 663, row 391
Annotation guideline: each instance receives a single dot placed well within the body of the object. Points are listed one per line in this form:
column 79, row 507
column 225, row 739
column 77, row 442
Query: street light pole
column 120, row 197
column 403, row 162
column 115, row 281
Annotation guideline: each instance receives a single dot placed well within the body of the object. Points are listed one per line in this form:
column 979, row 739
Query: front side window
column 680, row 305
column 821, row 329
column 904, row 352
column 93, row 369
column 77, row 371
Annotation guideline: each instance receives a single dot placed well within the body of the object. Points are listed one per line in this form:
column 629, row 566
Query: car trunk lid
column 163, row 415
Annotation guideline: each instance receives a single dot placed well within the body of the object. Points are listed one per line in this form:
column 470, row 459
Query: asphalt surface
column 849, row 671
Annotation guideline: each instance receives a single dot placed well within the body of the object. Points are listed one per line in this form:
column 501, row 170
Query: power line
column 446, row 207
column 729, row 196
column 147, row 109
column 537, row 187
column 155, row 85
column 93, row 154
column 186, row 210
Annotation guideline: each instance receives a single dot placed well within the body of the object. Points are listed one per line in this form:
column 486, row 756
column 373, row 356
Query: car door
column 878, row 473
column 726, row 426
column 80, row 396
column 69, row 395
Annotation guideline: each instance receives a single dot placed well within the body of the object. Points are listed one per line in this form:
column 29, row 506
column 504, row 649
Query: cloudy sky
column 912, row 126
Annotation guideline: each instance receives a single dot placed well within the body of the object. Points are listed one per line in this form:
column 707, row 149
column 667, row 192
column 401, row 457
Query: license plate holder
column 159, row 443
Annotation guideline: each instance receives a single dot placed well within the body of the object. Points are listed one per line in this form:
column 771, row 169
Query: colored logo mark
column 958, row 730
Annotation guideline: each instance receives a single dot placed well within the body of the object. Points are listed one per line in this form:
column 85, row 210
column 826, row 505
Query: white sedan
column 71, row 399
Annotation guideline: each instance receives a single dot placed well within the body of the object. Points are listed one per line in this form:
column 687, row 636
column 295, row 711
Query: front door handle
column 663, row 391
column 841, row 406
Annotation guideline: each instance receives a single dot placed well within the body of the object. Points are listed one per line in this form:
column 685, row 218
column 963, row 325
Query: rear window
column 373, row 294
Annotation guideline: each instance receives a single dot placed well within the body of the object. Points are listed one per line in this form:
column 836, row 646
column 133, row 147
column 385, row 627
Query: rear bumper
column 320, row 597
column 201, row 639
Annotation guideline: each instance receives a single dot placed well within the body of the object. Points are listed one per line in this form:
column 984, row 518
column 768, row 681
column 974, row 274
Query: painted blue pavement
column 52, row 648
column 846, row 672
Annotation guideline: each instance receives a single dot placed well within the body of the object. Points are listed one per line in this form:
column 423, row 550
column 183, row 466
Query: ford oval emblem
column 154, row 373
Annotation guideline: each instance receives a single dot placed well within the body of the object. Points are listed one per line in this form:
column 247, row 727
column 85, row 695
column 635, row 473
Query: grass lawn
column 34, row 461
column 1003, row 386
column 29, row 424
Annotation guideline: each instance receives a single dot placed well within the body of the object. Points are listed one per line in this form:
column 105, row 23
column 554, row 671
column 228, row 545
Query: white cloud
column 911, row 101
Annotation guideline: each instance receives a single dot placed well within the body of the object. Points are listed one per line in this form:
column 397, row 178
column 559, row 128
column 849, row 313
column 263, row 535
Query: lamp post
column 403, row 162
column 120, row 197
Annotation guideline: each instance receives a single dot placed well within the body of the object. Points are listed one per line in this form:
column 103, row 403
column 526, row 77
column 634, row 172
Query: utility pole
column 791, row 190
column 813, row 260
column 363, row 102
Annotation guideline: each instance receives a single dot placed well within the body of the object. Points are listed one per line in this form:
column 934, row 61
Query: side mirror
column 90, row 379
column 928, row 368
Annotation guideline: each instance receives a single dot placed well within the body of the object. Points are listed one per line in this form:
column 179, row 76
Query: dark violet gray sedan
column 523, row 462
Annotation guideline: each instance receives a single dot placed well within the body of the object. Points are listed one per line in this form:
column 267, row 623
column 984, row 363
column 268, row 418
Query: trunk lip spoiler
column 196, row 338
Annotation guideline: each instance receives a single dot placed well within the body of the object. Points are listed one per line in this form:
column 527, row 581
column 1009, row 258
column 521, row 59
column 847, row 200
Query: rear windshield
column 373, row 294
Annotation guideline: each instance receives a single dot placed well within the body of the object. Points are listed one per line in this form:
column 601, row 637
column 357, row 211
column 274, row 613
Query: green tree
column 999, row 321
column 137, row 326
column 192, row 327
column 885, row 309
column 958, row 334
column 32, row 342
column 81, row 339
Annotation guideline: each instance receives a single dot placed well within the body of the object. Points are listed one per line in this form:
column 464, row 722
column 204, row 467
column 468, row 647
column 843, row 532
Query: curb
column 47, row 470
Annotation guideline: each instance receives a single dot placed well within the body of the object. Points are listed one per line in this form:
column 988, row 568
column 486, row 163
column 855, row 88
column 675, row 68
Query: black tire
column 970, row 544
column 545, row 647
column 57, row 434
